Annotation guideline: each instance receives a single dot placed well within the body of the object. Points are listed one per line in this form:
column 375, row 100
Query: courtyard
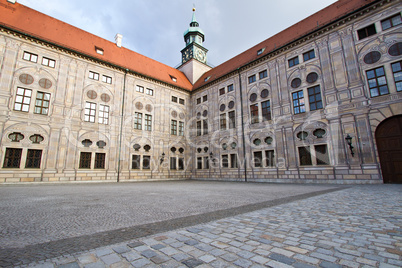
column 200, row 224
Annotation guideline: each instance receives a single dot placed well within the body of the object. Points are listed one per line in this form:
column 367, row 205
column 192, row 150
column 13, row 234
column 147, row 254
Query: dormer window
column 99, row 50
column 174, row 79
column 207, row 78
column 260, row 51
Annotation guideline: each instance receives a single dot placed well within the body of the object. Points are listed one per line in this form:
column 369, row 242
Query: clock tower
column 194, row 55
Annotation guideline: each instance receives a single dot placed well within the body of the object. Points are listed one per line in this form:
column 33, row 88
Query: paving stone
column 97, row 264
column 158, row 246
column 110, row 259
column 135, row 244
column 121, row 249
column 180, row 257
column 281, row 258
column 70, row 265
column 103, row 252
column 158, row 259
column 192, row 263
column 140, row 262
column 131, row 256
column 243, row 263
column 207, row 258
column 148, row 253
column 87, row 258
column 326, row 264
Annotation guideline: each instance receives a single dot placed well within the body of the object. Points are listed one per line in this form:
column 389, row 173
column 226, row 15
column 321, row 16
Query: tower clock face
column 187, row 55
column 200, row 55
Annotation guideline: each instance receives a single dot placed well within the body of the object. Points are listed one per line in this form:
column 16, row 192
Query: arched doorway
column 389, row 143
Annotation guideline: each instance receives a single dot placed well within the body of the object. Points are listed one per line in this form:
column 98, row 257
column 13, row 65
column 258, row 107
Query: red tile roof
column 323, row 17
column 28, row 21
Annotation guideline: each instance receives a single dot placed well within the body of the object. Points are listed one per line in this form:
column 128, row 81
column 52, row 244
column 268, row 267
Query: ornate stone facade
column 281, row 117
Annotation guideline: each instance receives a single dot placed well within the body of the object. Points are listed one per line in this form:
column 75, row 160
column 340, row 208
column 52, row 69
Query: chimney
column 118, row 39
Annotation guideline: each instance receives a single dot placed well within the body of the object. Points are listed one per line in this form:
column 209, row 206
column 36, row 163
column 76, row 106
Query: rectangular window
column 181, row 101
column 12, row 158
column 321, row 154
column 251, row 79
column 30, row 57
column 85, row 160
column 270, row 158
column 254, row 113
column 298, row 102
column 233, row 161
column 314, row 98
column 99, row 50
column 135, row 163
column 90, row 111
column 199, row 162
column 42, row 103
column 173, row 129
column 309, row 55
column 230, row 88
column 377, row 82
column 205, row 98
column 103, row 114
column 225, row 161
column 34, row 158
column 48, row 62
column 293, row 61
column 223, row 121
column 366, row 32
column 232, row 119
column 139, row 89
column 206, row 162
column 146, row 162
column 198, row 100
column 205, row 126
column 149, row 92
column 93, row 75
column 257, row 159
column 181, row 128
column 173, row 163
column 148, row 122
column 100, row 159
column 106, row 79
column 266, row 110
column 22, row 99
column 222, row 91
column 138, row 121
column 305, row 156
column 174, row 99
column 263, row 74
column 397, row 70
column 181, row 163
column 391, row 22
column 199, row 128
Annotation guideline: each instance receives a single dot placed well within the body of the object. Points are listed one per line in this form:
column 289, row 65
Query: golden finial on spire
column 193, row 7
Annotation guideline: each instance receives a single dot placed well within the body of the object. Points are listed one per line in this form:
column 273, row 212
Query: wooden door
column 389, row 143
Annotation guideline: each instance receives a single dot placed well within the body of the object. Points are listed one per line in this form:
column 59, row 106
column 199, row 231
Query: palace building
column 320, row 101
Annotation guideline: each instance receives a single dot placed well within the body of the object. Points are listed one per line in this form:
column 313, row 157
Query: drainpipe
column 121, row 124
column 242, row 127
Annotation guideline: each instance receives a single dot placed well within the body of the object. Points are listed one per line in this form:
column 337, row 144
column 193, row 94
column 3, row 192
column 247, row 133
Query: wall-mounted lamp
column 162, row 158
column 211, row 157
column 349, row 142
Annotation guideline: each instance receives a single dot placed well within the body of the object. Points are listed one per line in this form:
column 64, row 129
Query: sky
column 155, row 28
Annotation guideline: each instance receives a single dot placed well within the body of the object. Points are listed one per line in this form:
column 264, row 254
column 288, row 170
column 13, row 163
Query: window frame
column 366, row 32
column 181, row 128
column 315, row 101
column 50, row 62
column 266, row 110
column 263, row 74
column 391, row 22
column 100, row 161
column 106, row 79
column 377, row 86
column 135, row 161
column 103, row 115
column 33, row 161
column 222, row 121
column 298, row 99
column 90, row 112
column 93, row 75
column 28, row 56
column 173, row 127
column 139, row 89
column 308, row 55
column 293, row 61
column 149, row 91
column 148, row 122
column 230, row 88
column 252, row 79
column 254, row 116
column 11, row 155
column 42, row 101
column 138, row 120
column 85, row 160
column 25, row 97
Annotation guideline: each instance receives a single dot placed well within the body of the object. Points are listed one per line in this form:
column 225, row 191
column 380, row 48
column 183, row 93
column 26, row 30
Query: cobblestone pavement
column 356, row 227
